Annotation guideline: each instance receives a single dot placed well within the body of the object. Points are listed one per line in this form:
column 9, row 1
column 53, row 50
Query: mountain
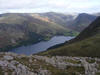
column 91, row 30
column 81, row 22
column 96, row 14
column 18, row 29
column 75, row 22
column 58, row 18
column 59, row 61
column 87, row 43
column 24, row 28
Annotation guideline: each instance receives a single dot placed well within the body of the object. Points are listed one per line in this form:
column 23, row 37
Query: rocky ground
column 13, row 64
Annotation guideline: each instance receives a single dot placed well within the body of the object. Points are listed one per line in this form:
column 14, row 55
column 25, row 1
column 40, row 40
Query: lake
column 41, row 46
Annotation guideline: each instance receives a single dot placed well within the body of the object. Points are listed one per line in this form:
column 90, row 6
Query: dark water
column 41, row 46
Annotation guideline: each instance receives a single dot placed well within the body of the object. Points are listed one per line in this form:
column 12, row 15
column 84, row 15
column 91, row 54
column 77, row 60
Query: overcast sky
column 64, row 6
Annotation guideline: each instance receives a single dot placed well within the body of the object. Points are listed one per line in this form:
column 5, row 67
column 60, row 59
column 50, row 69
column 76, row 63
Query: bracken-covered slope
column 17, row 29
column 87, row 43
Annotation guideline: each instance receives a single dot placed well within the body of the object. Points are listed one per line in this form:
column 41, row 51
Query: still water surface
column 41, row 46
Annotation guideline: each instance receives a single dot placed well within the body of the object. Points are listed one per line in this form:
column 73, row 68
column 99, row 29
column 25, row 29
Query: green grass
column 73, row 70
column 98, row 73
column 73, row 61
column 91, row 61
column 1, row 71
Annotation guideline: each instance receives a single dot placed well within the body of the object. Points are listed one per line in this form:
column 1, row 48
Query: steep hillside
column 86, row 44
column 91, row 30
column 82, row 21
column 17, row 29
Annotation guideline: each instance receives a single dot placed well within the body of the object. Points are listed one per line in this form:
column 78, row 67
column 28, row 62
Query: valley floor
column 13, row 64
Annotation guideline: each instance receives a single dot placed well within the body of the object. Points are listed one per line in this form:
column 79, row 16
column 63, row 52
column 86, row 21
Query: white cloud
column 49, row 5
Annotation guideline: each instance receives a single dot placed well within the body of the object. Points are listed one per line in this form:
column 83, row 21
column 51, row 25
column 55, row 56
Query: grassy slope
column 86, row 44
column 88, row 47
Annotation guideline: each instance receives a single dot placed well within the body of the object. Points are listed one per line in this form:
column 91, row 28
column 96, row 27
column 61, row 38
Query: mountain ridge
column 82, row 21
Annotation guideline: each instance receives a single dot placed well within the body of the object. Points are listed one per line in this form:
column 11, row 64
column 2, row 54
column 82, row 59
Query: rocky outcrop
column 90, row 69
column 10, row 65
column 90, row 65
column 13, row 64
